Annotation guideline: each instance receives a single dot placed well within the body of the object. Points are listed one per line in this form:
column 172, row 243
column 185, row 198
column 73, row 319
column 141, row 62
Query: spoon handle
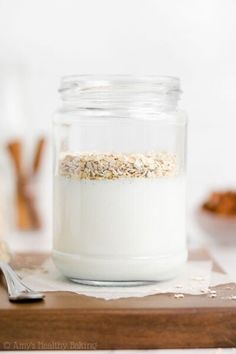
column 17, row 290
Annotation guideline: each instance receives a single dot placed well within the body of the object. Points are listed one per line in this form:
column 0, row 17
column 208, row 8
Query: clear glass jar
column 119, row 180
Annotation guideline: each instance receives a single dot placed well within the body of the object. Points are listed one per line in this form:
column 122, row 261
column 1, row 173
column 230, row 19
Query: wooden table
column 70, row 321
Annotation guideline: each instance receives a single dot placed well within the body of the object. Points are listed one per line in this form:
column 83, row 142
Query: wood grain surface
column 70, row 321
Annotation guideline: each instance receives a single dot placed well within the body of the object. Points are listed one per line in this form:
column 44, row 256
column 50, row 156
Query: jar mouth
column 126, row 94
column 88, row 82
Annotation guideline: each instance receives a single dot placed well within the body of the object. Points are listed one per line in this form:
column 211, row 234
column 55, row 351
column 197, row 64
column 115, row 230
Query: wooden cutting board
column 70, row 321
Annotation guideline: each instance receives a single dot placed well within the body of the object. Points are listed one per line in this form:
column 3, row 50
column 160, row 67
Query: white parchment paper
column 196, row 278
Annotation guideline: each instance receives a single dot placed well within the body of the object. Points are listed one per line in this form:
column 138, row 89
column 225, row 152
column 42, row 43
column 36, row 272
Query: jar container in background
column 119, row 180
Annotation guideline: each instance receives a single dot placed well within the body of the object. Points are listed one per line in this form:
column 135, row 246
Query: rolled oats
column 117, row 165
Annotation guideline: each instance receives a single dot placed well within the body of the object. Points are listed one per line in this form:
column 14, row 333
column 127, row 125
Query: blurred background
column 40, row 41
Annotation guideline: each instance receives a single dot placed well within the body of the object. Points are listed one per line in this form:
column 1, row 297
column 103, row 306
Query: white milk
column 120, row 230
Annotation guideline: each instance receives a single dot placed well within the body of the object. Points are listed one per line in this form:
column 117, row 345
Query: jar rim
column 84, row 82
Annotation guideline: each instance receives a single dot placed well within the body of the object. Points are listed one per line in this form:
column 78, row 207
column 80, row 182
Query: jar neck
column 120, row 94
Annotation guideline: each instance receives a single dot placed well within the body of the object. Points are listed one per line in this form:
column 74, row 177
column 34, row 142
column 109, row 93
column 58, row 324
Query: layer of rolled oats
column 97, row 166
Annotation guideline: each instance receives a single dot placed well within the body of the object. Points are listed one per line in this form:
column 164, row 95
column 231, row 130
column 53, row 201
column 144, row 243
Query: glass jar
column 119, row 180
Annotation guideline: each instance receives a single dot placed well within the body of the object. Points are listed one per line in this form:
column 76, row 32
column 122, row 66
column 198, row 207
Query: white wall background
column 42, row 40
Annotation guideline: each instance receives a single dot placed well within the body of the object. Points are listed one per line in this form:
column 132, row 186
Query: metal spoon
column 17, row 290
